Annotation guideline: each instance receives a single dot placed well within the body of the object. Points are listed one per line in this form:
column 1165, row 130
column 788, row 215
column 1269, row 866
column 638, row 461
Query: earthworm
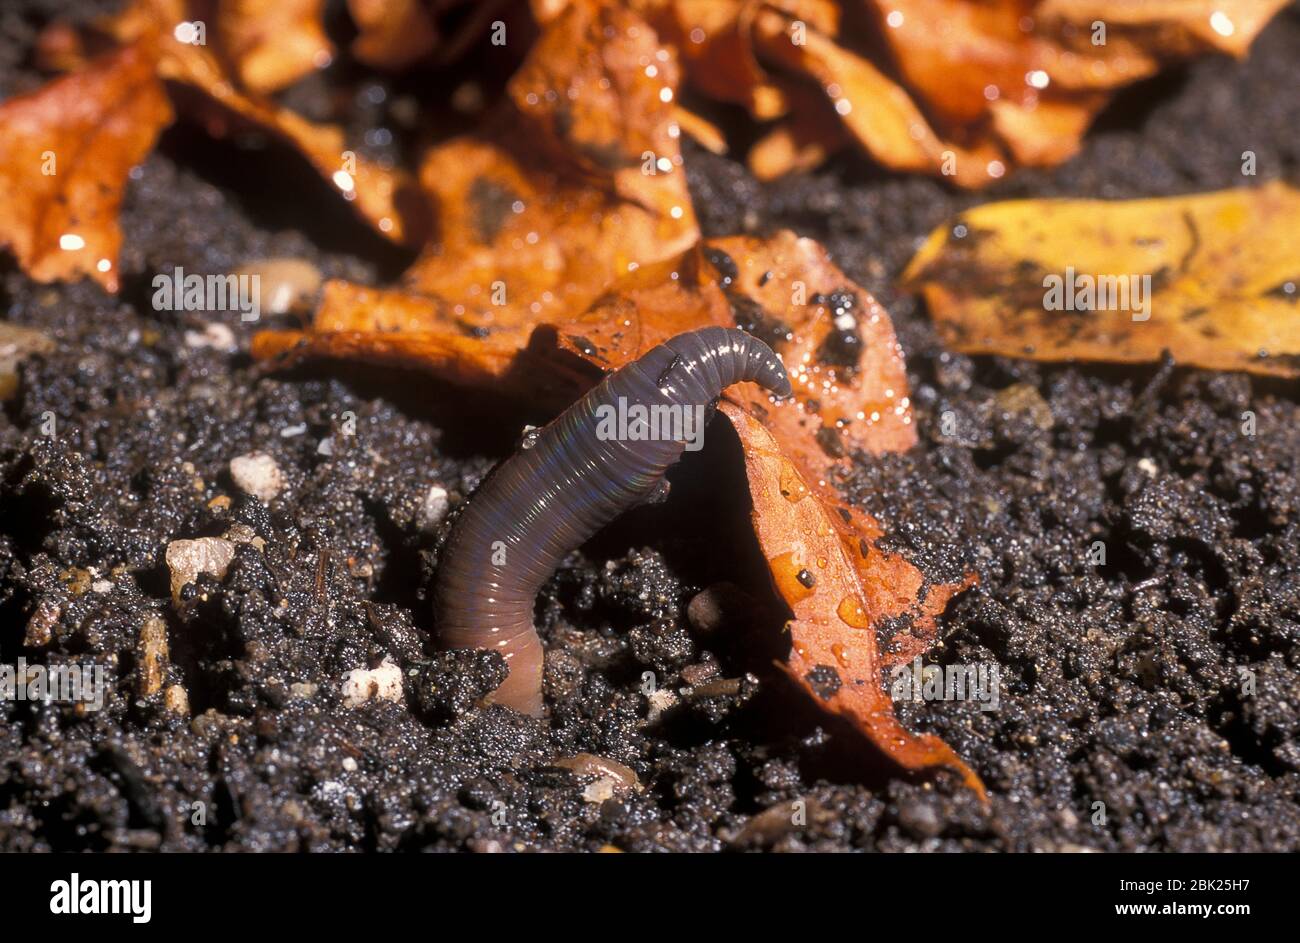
column 569, row 480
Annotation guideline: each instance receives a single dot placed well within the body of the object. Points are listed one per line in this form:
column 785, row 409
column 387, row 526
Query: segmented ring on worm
column 547, row 500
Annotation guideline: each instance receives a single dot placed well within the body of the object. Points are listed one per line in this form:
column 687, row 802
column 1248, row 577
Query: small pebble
column 214, row 335
column 362, row 684
column 257, row 474
column 186, row 559
column 919, row 817
column 16, row 345
column 40, row 627
column 611, row 777
column 435, row 507
column 176, row 700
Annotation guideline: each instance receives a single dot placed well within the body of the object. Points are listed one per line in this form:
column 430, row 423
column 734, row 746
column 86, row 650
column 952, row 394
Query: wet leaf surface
column 838, row 594
column 385, row 198
column 65, row 152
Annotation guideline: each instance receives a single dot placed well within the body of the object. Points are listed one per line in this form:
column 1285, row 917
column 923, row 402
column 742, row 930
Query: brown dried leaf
column 800, row 141
column 1163, row 30
column 1037, row 69
column 1218, row 266
column 705, row 132
column 65, row 152
column 967, row 87
column 404, row 329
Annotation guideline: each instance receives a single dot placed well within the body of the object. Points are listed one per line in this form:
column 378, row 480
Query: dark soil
column 1122, row 684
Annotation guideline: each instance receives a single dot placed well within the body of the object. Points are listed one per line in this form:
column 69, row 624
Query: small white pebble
column 362, row 684
column 215, row 335
column 1148, row 466
column 435, row 507
column 349, row 764
column 257, row 474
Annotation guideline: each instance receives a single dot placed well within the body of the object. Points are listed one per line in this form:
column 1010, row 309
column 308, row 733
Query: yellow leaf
column 1210, row 277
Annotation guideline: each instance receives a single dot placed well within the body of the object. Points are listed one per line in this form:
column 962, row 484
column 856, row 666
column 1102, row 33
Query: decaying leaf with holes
column 835, row 339
column 1211, row 278
column 65, row 152
column 834, row 654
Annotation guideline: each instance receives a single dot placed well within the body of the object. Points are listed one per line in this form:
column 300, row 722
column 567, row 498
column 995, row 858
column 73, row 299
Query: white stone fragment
column 362, row 684
column 186, row 559
column 435, row 507
column 257, row 474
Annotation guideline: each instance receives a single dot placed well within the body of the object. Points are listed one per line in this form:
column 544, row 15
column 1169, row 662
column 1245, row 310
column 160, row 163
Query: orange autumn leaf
column 834, row 654
column 964, row 89
column 1028, row 76
column 715, row 43
column 65, row 152
column 602, row 194
column 272, row 43
column 800, row 141
column 392, row 327
column 835, row 339
column 879, row 114
column 550, row 362
column 707, row 134
column 1204, row 277
column 527, row 243
column 384, row 198
column 1159, row 30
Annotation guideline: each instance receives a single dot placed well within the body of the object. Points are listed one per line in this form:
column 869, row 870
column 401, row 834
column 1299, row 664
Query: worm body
column 601, row 456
